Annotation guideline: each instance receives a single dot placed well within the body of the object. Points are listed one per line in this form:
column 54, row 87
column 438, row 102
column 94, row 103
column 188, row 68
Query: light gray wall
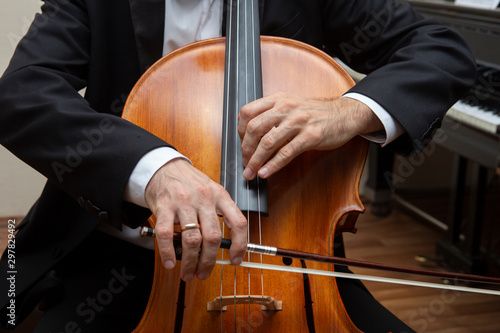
column 20, row 185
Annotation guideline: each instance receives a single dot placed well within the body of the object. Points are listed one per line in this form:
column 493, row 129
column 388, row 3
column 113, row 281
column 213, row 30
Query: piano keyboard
column 474, row 116
column 480, row 108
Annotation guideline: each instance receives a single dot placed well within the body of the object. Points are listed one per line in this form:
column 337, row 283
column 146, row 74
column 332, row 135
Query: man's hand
column 179, row 193
column 286, row 126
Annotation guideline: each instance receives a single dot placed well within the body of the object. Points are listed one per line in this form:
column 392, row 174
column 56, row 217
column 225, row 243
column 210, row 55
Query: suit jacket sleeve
column 47, row 124
column 417, row 67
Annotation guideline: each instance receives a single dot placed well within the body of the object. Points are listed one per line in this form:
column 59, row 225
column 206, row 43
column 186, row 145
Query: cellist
column 77, row 249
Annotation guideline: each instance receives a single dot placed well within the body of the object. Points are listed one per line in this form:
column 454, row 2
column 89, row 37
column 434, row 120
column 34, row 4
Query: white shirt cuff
column 144, row 171
column 392, row 128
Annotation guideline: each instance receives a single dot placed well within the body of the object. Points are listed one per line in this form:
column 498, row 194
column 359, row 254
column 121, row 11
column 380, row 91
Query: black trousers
column 106, row 287
column 107, row 282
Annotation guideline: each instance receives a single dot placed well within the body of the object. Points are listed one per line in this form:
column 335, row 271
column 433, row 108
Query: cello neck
column 242, row 84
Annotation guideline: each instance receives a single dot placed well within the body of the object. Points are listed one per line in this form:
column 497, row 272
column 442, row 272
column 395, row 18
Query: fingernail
column 203, row 276
column 169, row 264
column 237, row 260
column 263, row 173
column 188, row 277
column 247, row 173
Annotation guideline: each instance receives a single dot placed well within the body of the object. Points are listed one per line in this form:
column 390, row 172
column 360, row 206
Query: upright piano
column 471, row 130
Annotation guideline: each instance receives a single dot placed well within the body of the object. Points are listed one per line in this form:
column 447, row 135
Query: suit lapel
column 148, row 17
column 261, row 11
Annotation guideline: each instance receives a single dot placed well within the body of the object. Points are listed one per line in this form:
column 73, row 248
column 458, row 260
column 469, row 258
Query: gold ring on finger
column 190, row 226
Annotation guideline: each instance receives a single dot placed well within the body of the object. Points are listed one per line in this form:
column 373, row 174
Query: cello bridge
column 267, row 302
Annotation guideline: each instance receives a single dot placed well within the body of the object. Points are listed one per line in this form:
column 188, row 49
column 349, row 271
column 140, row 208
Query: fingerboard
column 242, row 85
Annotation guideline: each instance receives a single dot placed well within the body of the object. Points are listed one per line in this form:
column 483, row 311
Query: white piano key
column 476, row 117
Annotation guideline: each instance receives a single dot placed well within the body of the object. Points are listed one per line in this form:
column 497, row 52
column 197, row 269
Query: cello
column 302, row 207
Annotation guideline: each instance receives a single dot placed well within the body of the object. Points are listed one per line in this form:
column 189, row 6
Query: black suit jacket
column 87, row 152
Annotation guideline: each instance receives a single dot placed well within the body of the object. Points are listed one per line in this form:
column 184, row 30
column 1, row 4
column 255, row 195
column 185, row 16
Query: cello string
column 255, row 84
column 254, row 58
column 235, row 134
column 247, row 100
column 226, row 136
column 237, row 92
column 364, row 277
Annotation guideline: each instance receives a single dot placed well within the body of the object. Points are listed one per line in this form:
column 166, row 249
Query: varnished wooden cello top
column 181, row 99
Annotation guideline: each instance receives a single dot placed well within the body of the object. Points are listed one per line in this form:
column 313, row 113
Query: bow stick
column 275, row 251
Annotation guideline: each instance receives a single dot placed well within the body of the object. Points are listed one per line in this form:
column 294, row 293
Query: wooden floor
column 396, row 239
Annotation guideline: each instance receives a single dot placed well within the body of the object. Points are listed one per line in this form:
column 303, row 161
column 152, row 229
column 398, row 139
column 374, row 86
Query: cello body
column 311, row 200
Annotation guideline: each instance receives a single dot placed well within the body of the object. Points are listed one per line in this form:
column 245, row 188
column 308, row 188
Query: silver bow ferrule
column 262, row 249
